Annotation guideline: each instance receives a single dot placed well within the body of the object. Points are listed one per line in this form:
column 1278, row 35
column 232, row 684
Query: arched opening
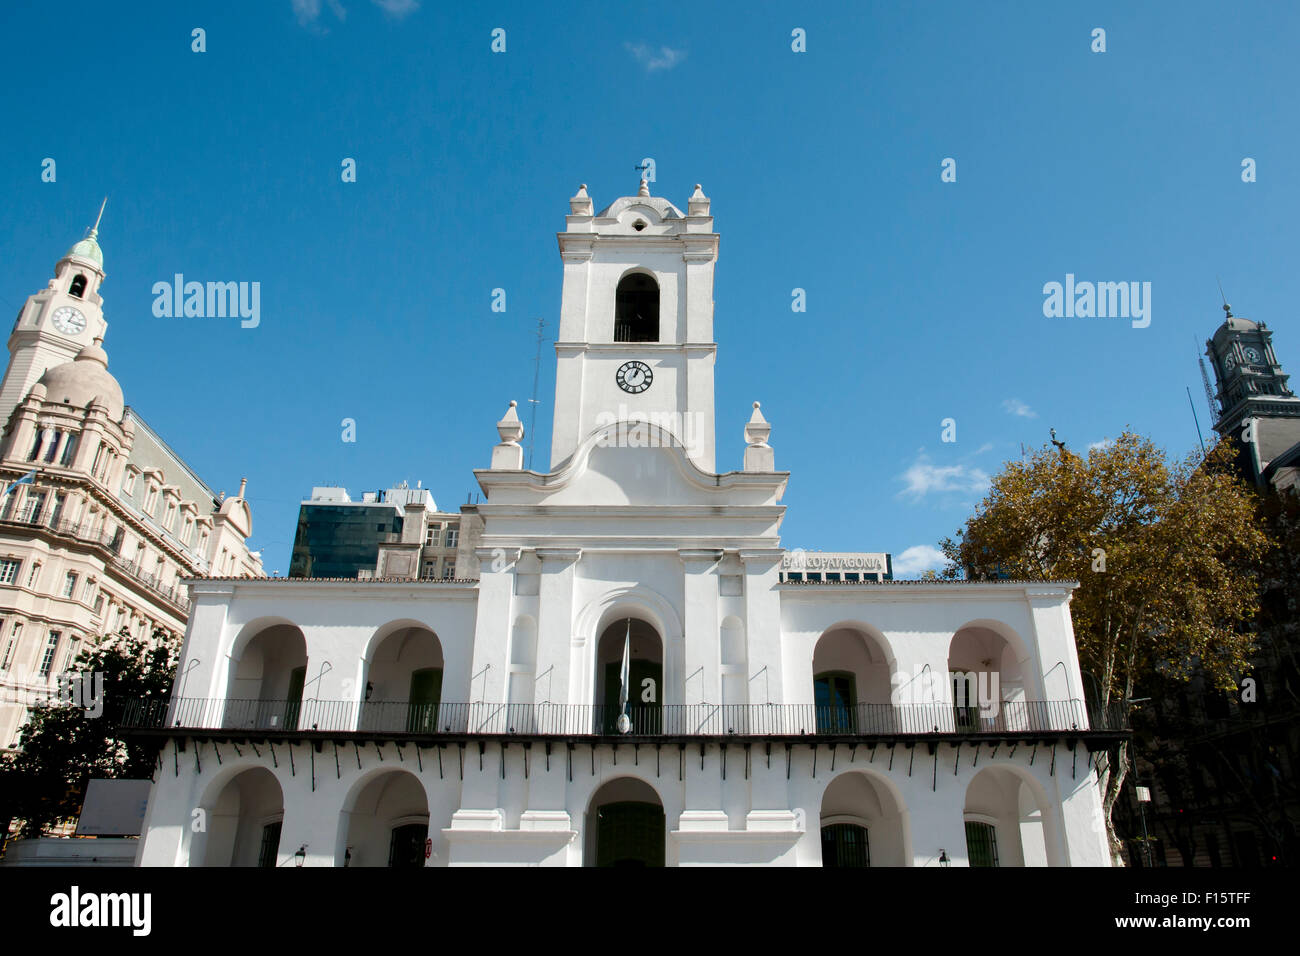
column 267, row 680
column 986, row 682
column 625, row 825
column 403, row 689
column 78, row 286
column 644, row 684
column 862, row 823
column 387, row 823
column 1007, row 820
column 244, row 818
column 850, row 683
column 636, row 309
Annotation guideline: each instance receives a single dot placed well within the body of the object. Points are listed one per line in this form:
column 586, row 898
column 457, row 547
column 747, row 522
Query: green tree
column 1166, row 555
column 61, row 748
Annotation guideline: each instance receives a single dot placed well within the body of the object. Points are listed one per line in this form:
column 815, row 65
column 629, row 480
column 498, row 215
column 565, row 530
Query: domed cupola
column 81, row 381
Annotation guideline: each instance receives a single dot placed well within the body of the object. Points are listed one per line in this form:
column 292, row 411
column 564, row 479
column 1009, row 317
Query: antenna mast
column 534, row 401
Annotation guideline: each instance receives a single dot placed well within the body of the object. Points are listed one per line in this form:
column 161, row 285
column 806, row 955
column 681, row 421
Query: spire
column 580, row 204
column 508, row 455
column 94, row 230
column 88, row 248
column 698, row 204
column 644, row 189
column 758, row 453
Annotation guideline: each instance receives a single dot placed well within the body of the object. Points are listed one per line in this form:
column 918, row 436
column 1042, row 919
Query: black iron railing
column 669, row 720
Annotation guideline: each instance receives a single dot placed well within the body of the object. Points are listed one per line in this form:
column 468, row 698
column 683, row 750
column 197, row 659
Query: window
column 88, row 592
column 11, row 646
column 432, row 535
column 99, row 604
column 835, row 702
column 448, row 569
column 430, row 569
column 151, row 501
column 636, row 309
column 33, row 574
column 453, row 535
column 9, row 570
column 845, row 844
column 78, row 287
column 51, row 645
column 54, row 447
column 70, row 584
column 69, row 450
column 128, row 486
column 169, row 522
column 981, row 844
column 36, row 445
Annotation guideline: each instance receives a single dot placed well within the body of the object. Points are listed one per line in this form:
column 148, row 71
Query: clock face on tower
column 1253, row 355
column 634, row 377
column 68, row 320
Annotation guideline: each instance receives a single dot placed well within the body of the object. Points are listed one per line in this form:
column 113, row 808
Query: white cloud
column 1016, row 407
column 665, row 59
column 308, row 11
column 397, row 8
column 918, row 558
column 924, row 478
column 1101, row 445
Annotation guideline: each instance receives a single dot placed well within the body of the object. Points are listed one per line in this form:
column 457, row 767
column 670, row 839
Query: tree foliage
column 1167, row 556
column 61, row 748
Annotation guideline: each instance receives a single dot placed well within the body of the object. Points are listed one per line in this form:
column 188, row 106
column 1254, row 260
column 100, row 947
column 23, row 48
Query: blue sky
column 924, row 298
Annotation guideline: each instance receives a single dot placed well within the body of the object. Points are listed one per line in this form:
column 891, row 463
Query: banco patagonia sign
column 800, row 560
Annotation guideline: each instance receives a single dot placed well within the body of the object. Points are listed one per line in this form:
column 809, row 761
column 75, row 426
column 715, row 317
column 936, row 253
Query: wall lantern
column 301, row 856
column 943, row 857
column 370, row 689
column 347, row 857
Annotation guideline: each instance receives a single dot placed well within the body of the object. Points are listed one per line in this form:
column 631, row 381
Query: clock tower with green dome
column 58, row 322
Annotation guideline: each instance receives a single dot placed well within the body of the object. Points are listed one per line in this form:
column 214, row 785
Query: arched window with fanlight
column 78, row 287
column 636, row 309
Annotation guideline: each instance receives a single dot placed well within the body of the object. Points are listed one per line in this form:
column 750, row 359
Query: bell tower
column 636, row 322
column 1252, row 388
column 56, row 323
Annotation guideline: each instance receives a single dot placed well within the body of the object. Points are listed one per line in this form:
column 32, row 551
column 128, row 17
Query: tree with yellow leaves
column 1166, row 556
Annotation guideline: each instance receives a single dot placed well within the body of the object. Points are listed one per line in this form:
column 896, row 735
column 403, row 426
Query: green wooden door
column 630, row 834
column 293, row 702
column 835, row 699
column 426, row 693
column 646, row 716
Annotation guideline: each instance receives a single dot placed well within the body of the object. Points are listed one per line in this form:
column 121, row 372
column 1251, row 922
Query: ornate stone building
column 105, row 519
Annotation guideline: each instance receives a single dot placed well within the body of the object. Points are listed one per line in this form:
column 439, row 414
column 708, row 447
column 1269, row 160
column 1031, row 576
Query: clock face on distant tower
column 634, row 377
column 1253, row 356
column 68, row 320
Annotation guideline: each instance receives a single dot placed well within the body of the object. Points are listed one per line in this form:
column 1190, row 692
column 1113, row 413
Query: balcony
column 401, row 719
column 86, row 533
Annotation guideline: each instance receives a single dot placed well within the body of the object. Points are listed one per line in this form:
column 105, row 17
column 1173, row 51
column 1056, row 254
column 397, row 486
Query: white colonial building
column 775, row 716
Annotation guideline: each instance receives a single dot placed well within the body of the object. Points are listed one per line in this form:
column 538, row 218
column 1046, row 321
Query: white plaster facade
column 792, row 723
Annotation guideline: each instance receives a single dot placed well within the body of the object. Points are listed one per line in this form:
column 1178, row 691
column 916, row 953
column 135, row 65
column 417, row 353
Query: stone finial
column 758, row 453
column 509, row 456
column 644, row 188
column 698, row 204
column 243, row 483
column 580, row 204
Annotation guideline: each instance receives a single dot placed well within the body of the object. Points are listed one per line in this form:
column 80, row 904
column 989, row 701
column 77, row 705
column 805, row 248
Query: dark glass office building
column 338, row 540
